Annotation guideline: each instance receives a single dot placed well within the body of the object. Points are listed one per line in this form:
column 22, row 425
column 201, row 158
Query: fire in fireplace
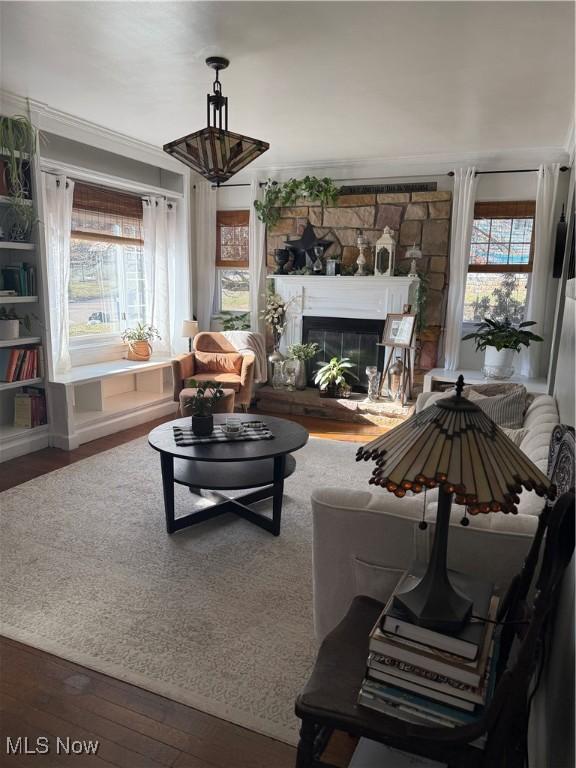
column 344, row 337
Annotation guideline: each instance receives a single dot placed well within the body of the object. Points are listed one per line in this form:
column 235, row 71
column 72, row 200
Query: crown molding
column 425, row 165
column 46, row 118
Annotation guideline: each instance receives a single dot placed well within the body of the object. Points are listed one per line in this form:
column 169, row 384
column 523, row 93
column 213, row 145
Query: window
column 500, row 264
column 232, row 277
column 107, row 277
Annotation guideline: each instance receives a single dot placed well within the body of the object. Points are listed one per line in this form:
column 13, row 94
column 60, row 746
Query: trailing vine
column 17, row 147
column 422, row 297
column 282, row 195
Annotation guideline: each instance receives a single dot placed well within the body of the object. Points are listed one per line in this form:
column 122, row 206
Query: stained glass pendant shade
column 215, row 152
column 455, row 447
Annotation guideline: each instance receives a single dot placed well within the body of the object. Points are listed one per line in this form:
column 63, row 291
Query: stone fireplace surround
column 421, row 218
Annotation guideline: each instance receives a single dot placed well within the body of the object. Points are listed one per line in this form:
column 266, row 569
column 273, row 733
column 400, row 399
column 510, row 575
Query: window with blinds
column 232, row 261
column 107, row 277
column 501, row 252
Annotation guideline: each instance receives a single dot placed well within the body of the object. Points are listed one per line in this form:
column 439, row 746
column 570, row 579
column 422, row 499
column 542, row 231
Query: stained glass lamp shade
column 215, row 152
column 455, row 447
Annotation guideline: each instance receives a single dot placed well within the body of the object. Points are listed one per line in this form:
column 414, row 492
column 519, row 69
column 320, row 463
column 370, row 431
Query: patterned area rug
column 218, row 617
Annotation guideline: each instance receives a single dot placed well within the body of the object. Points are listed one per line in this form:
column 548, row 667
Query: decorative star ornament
column 308, row 242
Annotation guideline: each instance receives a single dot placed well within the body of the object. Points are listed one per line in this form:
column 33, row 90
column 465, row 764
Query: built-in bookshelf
column 20, row 273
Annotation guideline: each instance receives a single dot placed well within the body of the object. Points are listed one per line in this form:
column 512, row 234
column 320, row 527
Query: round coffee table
column 260, row 464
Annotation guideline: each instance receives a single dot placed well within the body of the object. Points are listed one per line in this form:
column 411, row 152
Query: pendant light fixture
column 215, row 152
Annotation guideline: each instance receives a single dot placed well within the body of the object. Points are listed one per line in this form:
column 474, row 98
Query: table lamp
column 413, row 254
column 189, row 330
column 455, row 447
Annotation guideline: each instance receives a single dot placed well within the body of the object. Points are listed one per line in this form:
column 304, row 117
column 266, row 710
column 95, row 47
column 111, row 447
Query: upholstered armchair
column 215, row 359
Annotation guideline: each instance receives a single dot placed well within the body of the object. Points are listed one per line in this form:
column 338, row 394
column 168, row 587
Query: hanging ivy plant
column 281, row 195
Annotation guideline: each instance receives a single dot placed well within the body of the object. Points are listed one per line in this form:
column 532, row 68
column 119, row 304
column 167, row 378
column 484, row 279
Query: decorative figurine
column 361, row 261
column 385, row 253
column 414, row 254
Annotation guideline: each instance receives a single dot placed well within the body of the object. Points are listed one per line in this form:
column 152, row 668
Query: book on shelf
column 465, row 643
column 19, row 363
column 30, row 408
column 7, row 293
column 392, row 650
column 19, row 278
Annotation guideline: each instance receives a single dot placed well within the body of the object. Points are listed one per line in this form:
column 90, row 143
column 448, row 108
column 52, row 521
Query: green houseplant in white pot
column 202, row 404
column 500, row 340
column 333, row 377
column 301, row 353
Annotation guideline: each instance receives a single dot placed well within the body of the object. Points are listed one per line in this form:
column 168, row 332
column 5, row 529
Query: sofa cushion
column 516, row 435
column 208, row 362
column 507, row 410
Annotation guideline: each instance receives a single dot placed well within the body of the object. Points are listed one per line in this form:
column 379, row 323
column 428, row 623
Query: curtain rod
column 516, row 170
column 402, row 176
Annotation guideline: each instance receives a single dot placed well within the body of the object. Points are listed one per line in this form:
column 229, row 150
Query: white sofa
column 364, row 540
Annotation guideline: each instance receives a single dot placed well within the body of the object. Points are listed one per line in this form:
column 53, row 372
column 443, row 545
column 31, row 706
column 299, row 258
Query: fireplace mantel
column 355, row 297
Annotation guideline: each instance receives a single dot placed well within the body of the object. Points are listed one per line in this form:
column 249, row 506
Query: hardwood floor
column 44, row 695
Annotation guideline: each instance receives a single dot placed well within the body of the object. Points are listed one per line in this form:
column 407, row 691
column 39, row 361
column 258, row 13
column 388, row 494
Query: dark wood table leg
column 167, row 464
column 278, row 494
column 305, row 753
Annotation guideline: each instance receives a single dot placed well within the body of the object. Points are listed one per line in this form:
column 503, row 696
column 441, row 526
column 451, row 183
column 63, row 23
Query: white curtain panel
column 532, row 359
column 159, row 217
column 205, row 220
column 257, row 260
column 465, row 183
column 58, row 192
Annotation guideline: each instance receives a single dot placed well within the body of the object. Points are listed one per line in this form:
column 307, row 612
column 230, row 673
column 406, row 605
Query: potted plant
column 10, row 324
column 18, row 146
column 301, row 353
column 202, row 403
column 332, row 377
column 499, row 340
column 138, row 340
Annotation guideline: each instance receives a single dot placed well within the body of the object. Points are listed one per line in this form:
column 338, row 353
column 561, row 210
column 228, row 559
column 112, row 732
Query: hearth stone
column 439, row 210
column 355, row 409
column 349, row 217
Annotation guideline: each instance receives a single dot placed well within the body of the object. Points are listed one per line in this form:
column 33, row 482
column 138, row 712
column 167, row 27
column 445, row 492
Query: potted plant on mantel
column 301, row 353
column 139, row 341
column 333, row 377
column 499, row 340
column 202, row 404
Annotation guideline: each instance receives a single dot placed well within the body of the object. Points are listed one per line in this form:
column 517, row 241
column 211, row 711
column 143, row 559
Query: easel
column 406, row 381
column 403, row 343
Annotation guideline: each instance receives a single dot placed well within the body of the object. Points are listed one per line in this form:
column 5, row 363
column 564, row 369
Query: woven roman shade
column 108, row 215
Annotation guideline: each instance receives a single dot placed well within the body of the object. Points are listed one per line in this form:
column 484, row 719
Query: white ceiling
column 320, row 81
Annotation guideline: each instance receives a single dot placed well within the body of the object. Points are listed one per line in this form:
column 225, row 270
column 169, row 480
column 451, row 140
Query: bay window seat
column 92, row 401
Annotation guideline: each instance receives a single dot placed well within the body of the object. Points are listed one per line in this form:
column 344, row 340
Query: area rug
column 218, row 617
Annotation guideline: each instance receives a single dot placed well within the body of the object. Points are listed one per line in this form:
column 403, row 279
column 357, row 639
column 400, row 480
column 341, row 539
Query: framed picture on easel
column 399, row 330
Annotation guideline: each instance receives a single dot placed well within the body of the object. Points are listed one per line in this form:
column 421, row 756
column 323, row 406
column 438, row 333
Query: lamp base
column 435, row 604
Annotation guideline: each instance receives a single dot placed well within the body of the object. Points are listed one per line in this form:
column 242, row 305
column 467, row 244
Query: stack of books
column 19, row 278
column 427, row 677
column 20, row 364
column 30, row 408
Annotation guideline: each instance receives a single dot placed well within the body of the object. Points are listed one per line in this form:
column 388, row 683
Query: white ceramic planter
column 498, row 363
column 9, row 329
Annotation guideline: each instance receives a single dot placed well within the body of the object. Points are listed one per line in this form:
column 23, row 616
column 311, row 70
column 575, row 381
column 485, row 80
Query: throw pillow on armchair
column 212, row 362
